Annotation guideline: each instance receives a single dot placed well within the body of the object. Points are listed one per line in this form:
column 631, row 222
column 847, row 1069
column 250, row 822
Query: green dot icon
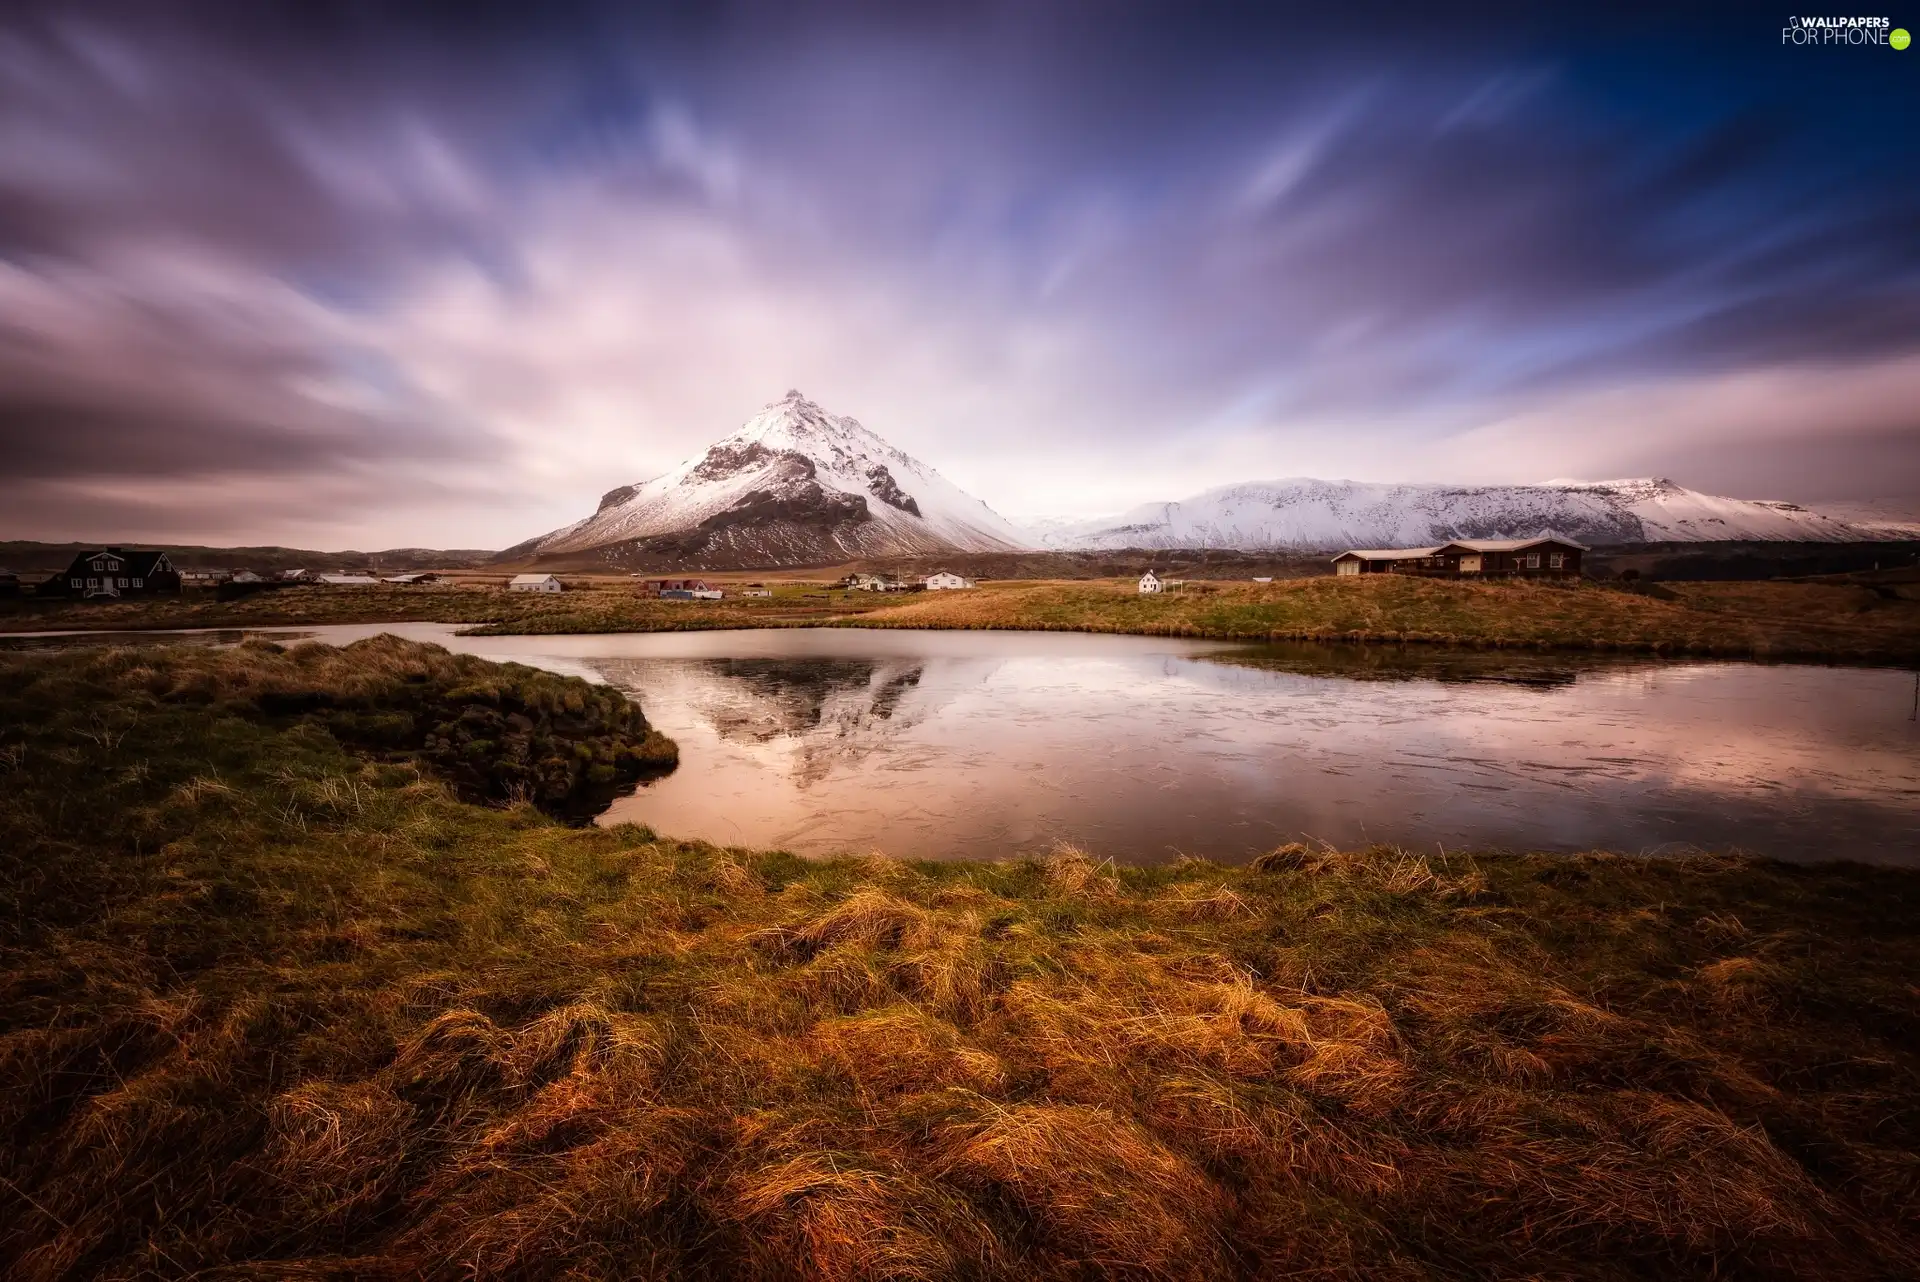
column 1899, row 39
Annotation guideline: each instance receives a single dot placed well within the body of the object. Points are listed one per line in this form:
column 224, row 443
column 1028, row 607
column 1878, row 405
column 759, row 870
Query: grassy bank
column 276, row 1002
column 608, row 609
column 1766, row 620
column 1840, row 622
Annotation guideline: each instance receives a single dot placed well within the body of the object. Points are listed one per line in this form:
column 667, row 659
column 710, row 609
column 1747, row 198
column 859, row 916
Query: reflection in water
column 1453, row 665
column 1138, row 753
column 826, row 713
column 983, row 745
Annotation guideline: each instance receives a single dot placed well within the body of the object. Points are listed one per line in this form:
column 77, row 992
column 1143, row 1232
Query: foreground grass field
column 275, row 1002
column 1842, row 622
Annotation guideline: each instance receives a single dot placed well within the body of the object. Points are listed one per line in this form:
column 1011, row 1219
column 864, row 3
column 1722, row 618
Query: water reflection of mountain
column 1543, row 670
column 828, row 710
column 756, row 700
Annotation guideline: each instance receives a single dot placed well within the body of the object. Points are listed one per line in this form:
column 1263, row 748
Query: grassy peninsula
column 1816, row 621
column 279, row 997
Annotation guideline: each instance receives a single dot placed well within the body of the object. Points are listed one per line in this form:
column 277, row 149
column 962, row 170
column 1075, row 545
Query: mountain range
column 796, row 485
column 1307, row 513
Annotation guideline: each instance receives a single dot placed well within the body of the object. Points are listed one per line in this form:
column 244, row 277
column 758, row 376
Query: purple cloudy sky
column 372, row 275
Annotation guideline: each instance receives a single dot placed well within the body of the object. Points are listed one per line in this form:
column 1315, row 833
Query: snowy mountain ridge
column 794, row 485
column 1307, row 513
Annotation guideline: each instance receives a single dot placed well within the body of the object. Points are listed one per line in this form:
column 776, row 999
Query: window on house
column 1556, row 560
column 93, row 583
column 99, row 565
column 76, row 583
column 136, row 583
column 1533, row 560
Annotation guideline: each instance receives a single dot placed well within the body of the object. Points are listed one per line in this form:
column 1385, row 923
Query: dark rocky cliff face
column 725, row 460
column 880, row 481
column 619, row 494
column 805, row 504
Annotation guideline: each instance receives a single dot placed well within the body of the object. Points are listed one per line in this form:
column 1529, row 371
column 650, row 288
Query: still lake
column 986, row 744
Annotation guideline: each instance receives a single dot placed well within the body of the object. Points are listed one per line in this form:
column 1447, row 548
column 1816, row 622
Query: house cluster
column 109, row 573
column 1544, row 556
column 679, row 589
column 1547, row 555
column 938, row 581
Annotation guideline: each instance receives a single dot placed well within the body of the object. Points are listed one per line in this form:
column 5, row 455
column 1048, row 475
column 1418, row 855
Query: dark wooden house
column 1546, row 556
column 111, row 573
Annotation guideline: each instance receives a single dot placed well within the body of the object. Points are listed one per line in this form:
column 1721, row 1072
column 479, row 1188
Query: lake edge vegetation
column 277, row 1002
column 1780, row 621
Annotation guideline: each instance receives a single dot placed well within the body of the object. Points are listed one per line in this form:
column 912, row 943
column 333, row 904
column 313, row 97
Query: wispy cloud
column 393, row 280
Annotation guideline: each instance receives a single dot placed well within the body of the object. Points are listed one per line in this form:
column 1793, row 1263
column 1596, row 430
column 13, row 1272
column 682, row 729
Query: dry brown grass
column 1767, row 620
column 273, row 1013
column 1762, row 620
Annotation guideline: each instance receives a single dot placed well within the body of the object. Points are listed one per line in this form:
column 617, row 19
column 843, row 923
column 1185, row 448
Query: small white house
column 1149, row 582
column 946, row 581
column 245, row 576
column 348, row 580
column 534, row 583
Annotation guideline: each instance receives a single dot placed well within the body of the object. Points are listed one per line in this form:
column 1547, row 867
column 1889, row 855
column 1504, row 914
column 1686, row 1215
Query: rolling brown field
column 1759, row 620
column 1808, row 621
column 295, row 984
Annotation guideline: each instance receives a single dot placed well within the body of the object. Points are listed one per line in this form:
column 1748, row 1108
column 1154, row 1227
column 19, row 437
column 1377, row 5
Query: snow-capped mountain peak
column 793, row 485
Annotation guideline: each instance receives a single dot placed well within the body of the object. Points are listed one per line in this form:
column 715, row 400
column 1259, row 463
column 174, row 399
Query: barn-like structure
column 1545, row 556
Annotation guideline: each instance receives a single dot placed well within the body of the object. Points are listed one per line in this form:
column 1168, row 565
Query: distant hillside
column 1307, row 513
column 25, row 556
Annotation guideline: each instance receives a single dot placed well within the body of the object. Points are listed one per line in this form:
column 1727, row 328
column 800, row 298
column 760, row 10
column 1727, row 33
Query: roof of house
column 533, row 578
column 1387, row 554
column 345, row 580
column 1513, row 545
column 136, row 562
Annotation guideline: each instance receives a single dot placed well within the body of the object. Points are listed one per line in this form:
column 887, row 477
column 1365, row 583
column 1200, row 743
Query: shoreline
column 1777, row 622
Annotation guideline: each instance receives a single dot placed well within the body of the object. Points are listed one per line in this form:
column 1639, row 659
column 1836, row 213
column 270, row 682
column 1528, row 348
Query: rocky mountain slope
column 1307, row 513
column 794, row 486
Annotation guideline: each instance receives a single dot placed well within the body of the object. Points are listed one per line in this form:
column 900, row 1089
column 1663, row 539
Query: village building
column 680, row 589
column 534, row 583
column 756, row 589
column 421, row 576
column 111, row 573
column 1149, row 583
column 947, row 581
column 245, row 576
column 1546, row 555
column 346, row 580
column 9, row 583
column 870, row 583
